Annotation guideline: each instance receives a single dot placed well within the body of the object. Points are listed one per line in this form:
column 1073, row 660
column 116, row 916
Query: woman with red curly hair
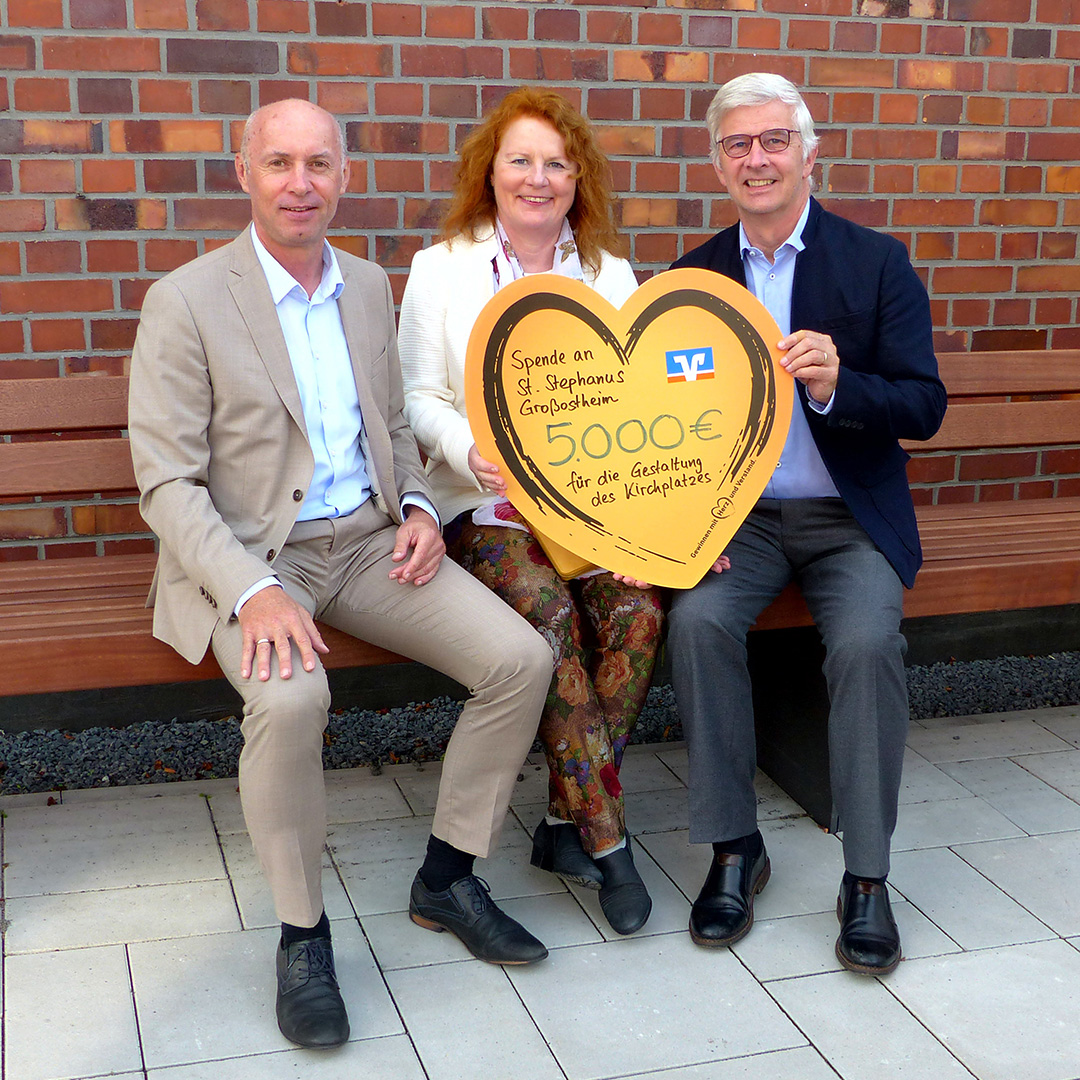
column 532, row 195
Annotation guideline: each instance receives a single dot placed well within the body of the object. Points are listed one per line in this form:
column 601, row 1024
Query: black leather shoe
column 623, row 898
column 467, row 911
column 869, row 942
column 310, row 1011
column 558, row 848
column 724, row 910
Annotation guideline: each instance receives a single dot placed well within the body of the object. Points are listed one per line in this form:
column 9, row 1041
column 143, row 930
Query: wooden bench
column 82, row 623
column 999, row 578
column 78, row 624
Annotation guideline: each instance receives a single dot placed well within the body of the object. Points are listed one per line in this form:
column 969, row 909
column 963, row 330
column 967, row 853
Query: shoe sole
column 542, row 863
column 862, row 969
column 429, row 924
column 720, row 943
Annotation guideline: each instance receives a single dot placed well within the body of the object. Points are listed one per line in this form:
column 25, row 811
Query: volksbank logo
column 689, row 365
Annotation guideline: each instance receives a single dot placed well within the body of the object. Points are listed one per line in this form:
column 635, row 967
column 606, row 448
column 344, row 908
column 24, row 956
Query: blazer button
column 270, row 555
column 297, row 495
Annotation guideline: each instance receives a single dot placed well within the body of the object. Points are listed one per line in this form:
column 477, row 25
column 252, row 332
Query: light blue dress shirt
column 319, row 353
column 801, row 473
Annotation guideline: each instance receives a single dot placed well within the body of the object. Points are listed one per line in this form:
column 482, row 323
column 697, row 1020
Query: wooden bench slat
column 969, row 426
column 51, row 468
column 74, row 403
column 990, row 373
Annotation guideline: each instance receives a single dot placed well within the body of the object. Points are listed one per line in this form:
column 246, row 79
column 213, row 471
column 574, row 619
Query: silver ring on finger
column 262, row 641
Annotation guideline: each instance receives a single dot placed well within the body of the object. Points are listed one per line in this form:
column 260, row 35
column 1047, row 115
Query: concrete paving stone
column 356, row 795
column 1063, row 722
column 81, row 863
column 1041, row 873
column 924, row 782
column 467, row 1021
column 1013, row 790
column 1007, row 1014
column 805, row 944
column 643, row 769
column 115, row 916
column 950, row 821
column 803, row 1063
column 641, row 993
column 972, row 910
column 862, row 1031
column 1061, row 771
column 213, row 997
column 998, row 736
column 388, row 1058
column 69, row 1014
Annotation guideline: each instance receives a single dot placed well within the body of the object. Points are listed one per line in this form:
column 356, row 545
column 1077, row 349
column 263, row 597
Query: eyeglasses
column 772, row 141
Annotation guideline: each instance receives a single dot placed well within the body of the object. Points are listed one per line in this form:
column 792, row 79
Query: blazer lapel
column 374, row 434
column 252, row 295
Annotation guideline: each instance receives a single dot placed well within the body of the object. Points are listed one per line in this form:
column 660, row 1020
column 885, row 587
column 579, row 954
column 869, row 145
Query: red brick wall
column 954, row 124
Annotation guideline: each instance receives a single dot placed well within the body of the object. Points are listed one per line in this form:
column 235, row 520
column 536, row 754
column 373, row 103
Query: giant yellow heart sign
column 640, row 438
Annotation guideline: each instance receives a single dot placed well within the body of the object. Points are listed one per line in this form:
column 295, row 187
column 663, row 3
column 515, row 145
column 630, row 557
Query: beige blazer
column 217, row 429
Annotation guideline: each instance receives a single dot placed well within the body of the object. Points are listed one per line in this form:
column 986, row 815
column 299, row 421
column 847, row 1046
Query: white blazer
column 448, row 286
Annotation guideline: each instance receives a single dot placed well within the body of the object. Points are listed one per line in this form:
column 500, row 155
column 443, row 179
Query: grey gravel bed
column 154, row 753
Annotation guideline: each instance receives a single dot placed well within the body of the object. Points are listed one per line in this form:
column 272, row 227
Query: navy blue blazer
column 858, row 286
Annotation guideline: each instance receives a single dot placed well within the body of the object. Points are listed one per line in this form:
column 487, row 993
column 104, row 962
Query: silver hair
column 759, row 88
column 252, row 122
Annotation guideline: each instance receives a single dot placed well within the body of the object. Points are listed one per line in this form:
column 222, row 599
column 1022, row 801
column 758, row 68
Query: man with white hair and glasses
column 836, row 516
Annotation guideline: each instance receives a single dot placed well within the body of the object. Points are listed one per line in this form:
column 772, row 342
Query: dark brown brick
column 228, row 97
column 195, row 55
column 170, row 174
column 1030, row 44
column 105, row 96
column 97, row 14
column 340, row 20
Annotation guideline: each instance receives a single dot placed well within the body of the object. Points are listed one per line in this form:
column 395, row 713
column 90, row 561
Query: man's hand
column 486, row 472
column 812, row 359
column 721, row 564
column 420, row 533
column 272, row 619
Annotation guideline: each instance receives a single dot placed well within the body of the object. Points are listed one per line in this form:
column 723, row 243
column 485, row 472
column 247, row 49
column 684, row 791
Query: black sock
column 749, row 846
column 444, row 864
column 290, row 934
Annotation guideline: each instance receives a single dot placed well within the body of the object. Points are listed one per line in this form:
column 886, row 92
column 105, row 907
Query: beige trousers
column 338, row 569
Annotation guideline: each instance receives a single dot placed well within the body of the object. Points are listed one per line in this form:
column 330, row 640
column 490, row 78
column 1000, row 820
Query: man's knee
column 292, row 709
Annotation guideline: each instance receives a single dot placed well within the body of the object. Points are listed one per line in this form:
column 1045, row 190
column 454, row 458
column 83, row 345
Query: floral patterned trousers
column 599, row 686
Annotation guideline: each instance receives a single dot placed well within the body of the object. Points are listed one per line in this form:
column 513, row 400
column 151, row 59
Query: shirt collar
column 282, row 283
column 794, row 241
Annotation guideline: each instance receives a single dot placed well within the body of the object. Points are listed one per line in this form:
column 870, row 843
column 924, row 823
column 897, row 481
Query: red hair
column 591, row 215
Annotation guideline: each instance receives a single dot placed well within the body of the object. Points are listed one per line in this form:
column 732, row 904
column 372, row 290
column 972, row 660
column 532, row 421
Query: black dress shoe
column 869, row 942
column 558, row 848
column 623, row 898
column 310, row 1011
column 724, row 910
column 467, row 911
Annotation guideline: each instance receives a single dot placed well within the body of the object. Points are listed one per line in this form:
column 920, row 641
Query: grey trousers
column 856, row 600
column 338, row 570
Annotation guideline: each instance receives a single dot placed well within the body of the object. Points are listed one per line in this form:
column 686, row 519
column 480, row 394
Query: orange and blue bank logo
column 689, row 365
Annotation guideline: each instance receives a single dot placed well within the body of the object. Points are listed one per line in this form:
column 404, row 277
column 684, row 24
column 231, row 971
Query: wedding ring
column 263, row 641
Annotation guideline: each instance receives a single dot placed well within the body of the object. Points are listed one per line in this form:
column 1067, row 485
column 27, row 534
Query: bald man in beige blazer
column 279, row 474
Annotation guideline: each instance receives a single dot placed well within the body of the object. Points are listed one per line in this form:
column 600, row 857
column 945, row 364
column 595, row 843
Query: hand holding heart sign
column 640, row 438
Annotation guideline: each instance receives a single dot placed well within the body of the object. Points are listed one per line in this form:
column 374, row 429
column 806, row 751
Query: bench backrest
column 67, row 435
column 992, row 400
